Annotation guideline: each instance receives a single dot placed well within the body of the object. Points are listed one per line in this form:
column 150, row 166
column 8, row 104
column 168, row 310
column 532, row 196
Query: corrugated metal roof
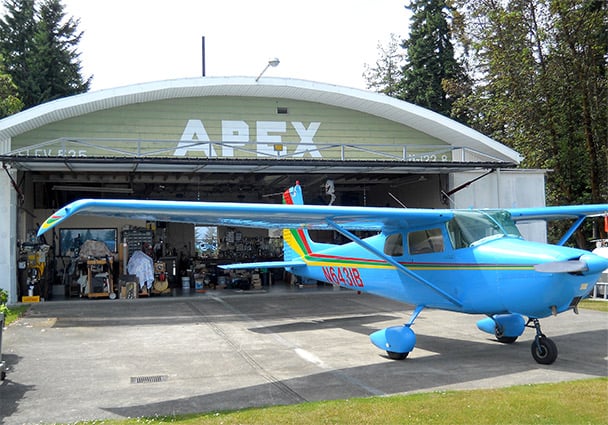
column 364, row 101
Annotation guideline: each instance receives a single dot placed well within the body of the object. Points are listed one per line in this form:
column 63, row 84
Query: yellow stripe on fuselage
column 290, row 239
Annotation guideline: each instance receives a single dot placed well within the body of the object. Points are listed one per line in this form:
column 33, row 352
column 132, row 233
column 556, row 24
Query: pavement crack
column 298, row 350
column 237, row 347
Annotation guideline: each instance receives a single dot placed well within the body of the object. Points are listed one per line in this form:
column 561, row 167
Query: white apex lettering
column 266, row 149
column 306, row 142
column 235, row 134
column 191, row 139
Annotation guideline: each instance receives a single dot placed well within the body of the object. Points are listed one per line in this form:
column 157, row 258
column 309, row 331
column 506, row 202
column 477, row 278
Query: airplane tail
column 296, row 242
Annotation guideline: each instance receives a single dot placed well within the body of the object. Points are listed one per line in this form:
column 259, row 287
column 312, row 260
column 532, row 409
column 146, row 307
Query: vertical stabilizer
column 296, row 242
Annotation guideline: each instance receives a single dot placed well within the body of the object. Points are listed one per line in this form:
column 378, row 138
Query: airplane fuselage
column 494, row 276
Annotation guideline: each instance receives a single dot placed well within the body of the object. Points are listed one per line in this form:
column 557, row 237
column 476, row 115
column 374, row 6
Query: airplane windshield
column 469, row 227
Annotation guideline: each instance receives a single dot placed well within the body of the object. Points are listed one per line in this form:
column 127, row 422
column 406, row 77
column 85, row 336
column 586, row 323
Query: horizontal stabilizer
column 264, row 265
column 572, row 266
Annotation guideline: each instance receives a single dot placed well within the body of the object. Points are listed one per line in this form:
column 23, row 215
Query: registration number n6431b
column 346, row 276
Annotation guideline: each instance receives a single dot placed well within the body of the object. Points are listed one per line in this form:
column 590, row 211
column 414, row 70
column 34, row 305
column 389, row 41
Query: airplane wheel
column 506, row 339
column 503, row 339
column 544, row 350
column 396, row 356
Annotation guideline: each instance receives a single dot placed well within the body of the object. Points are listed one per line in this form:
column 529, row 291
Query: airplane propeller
column 586, row 264
column 570, row 266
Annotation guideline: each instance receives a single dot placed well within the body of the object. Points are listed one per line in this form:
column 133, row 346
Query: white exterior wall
column 8, row 236
column 504, row 189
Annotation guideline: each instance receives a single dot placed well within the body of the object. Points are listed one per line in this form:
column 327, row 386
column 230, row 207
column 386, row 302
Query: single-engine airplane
column 468, row 261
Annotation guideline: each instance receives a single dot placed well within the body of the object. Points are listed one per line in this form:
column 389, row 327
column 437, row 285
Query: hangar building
column 230, row 139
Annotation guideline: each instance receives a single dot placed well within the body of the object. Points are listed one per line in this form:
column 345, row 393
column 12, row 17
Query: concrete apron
column 83, row 360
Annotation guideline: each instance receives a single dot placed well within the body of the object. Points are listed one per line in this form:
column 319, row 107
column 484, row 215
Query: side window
column 393, row 245
column 425, row 241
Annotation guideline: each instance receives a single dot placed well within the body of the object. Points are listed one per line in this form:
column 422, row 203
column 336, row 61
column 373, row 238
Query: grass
column 594, row 305
column 577, row 402
column 13, row 313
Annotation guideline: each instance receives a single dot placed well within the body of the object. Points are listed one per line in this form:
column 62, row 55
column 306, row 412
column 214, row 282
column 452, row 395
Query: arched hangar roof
column 363, row 101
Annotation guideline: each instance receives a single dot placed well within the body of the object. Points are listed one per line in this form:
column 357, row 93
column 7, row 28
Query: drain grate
column 148, row 379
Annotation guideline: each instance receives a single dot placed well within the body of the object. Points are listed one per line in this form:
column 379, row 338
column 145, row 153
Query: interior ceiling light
column 127, row 190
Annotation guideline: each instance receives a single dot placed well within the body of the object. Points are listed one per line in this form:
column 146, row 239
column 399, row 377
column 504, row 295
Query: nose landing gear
column 544, row 350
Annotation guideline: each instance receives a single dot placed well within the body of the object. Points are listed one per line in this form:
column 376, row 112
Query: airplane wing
column 557, row 213
column 578, row 213
column 269, row 216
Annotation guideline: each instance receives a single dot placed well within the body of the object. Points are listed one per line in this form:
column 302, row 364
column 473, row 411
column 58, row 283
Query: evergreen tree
column 431, row 71
column 385, row 77
column 17, row 33
column 58, row 59
column 39, row 47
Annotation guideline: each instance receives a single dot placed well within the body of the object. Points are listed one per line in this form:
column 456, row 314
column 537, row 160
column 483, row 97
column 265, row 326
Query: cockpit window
column 469, row 227
column 425, row 241
column 393, row 245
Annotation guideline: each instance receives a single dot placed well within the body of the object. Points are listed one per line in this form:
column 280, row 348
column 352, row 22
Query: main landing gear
column 543, row 349
column 399, row 341
column 508, row 327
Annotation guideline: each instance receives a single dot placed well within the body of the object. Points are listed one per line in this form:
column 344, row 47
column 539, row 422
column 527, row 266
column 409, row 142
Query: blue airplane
column 468, row 261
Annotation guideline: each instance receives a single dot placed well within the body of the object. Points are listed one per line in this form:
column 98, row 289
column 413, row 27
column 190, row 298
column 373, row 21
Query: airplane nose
column 595, row 263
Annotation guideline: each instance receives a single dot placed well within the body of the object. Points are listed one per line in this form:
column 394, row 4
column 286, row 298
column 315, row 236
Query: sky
column 134, row 41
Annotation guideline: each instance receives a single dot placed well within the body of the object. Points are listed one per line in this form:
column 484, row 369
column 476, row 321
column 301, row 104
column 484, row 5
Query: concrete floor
column 95, row 359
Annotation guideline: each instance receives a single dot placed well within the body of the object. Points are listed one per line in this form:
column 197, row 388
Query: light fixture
column 272, row 62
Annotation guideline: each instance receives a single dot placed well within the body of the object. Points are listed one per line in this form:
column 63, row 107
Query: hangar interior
column 195, row 140
column 185, row 252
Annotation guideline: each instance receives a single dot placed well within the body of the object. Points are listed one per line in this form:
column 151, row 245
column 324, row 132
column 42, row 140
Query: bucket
column 198, row 285
column 185, row 282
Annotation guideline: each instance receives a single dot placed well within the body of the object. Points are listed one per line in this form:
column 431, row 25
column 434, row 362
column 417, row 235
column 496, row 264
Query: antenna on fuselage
column 269, row 195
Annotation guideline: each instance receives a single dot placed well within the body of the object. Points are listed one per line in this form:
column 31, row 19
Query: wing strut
column 572, row 229
column 393, row 262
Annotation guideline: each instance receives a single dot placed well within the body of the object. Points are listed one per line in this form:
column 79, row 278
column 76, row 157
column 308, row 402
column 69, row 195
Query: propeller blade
column 571, row 266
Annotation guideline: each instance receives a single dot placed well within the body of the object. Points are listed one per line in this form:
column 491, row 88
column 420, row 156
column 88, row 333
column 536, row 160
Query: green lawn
column 578, row 402
column 598, row 305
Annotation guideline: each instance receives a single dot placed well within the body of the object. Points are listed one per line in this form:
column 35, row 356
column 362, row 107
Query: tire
column 544, row 350
column 504, row 339
column 396, row 356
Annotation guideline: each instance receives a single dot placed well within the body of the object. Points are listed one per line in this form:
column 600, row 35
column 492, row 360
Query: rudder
column 296, row 242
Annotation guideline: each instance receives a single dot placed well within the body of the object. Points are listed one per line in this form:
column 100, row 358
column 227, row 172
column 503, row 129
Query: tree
column 9, row 98
column 17, row 33
column 59, row 63
column 431, row 75
column 385, row 77
column 541, row 88
column 39, row 47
